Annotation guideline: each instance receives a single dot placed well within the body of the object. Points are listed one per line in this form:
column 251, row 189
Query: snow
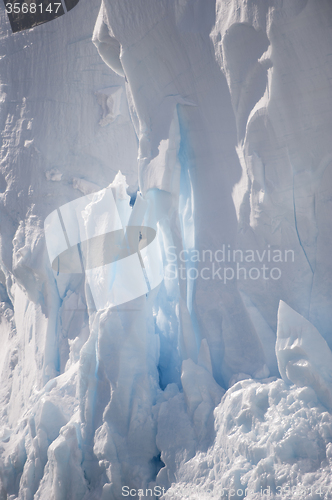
column 269, row 438
column 134, row 134
column 304, row 358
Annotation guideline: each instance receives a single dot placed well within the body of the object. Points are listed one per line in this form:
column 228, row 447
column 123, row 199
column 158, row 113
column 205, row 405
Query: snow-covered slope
column 218, row 379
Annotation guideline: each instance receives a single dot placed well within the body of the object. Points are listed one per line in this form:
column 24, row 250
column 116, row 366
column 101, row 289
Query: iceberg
column 165, row 275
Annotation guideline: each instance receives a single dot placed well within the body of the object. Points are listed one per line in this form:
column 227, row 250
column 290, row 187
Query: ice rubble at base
column 272, row 436
column 268, row 433
column 269, row 438
column 197, row 442
column 93, row 400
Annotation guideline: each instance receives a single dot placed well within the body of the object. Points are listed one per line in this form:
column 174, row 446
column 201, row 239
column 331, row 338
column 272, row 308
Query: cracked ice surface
column 196, row 386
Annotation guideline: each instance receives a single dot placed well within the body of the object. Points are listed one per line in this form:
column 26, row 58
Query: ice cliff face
column 227, row 106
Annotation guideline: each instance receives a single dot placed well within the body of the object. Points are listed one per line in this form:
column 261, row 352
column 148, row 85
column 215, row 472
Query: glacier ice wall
column 219, row 113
